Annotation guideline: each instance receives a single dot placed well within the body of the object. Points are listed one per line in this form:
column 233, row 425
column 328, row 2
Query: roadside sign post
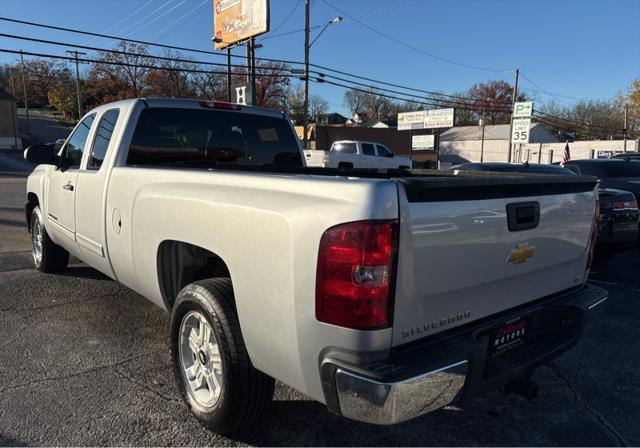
column 426, row 119
column 523, row 109
column 520, row 130
column 423, row 142
column 520, row 126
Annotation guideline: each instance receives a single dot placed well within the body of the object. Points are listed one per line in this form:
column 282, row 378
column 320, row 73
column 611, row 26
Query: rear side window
column 77, row 142
column 346, row 148
column 103, row 136
column 368, row 149
column 384, row 152
column 193, row 137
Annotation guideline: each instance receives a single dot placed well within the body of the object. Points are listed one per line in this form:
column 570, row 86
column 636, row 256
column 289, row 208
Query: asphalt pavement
column 85, row 361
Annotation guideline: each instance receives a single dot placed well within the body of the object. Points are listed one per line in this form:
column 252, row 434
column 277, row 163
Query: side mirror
column 40, row 154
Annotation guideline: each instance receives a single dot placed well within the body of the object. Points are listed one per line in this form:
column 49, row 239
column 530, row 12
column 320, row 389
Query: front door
column 61, row 192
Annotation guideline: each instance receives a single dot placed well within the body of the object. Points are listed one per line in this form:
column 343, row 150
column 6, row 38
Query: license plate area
column 508, row 336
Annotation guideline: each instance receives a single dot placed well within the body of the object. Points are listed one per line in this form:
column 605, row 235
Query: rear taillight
column 625, row 205
column 595, row 229
column 355, row 277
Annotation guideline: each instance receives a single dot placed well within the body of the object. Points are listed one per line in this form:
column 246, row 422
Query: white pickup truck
column 356, row 154
column 382, row 295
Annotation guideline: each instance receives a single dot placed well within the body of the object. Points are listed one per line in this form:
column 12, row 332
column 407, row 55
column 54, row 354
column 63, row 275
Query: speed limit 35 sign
column 520, row 132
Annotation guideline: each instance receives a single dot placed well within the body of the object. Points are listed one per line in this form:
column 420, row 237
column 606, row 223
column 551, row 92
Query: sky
column 565, row 50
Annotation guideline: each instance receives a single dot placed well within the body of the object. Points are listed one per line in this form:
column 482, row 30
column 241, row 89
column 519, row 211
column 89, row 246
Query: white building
column 466, row 142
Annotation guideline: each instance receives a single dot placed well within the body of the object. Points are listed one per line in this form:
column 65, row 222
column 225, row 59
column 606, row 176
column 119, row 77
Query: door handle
column 68, row 187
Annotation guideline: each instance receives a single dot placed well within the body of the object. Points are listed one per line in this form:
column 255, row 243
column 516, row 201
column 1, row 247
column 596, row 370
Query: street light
column 307, row 47
column 326, row 25
column 481, row 123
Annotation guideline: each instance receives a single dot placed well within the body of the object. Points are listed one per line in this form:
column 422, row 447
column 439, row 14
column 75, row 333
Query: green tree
column 63, row 98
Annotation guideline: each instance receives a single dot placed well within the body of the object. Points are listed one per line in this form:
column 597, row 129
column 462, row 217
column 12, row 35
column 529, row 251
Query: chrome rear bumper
column 456, row 365
column 370, row 401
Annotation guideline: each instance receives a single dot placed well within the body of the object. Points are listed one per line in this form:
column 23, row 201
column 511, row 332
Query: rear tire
column 216, row 378
column 47, row 256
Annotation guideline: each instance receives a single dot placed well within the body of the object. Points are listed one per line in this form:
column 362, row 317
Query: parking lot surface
column 85, row 361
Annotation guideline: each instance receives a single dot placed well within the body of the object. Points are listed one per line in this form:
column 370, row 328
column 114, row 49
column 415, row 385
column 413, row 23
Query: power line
column 495, row 107
column 132, row 26
column 605, row 132
column 300, row 30
column 114, row 26
column 438, row 102
column 411, row 47
column 179, row 21
column 173, row 47
column 549, row 93
column 288, row 15
column 157, row 18
column 139, row 65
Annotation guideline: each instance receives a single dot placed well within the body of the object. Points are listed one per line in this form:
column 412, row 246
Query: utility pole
column 626, row 124
column 305, row 121
column 253, row 71
column 13, row 82
column 513, row 106
column 24, row 89
column 229, row 74
column 76, row 54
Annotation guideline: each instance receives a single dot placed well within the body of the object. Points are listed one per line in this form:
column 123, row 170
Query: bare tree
column 317, row 106
column 354, row 100
column 118, row 75
column 272, row 84
column 173, row 79
column 212, row 85
column 492, row 100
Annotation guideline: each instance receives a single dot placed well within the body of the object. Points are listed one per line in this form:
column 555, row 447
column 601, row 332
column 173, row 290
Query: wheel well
column 181, row 263
column 32, row 201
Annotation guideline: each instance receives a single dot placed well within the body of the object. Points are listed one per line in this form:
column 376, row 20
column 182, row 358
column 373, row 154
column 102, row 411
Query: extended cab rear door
column 92, row 218
column 61, row 189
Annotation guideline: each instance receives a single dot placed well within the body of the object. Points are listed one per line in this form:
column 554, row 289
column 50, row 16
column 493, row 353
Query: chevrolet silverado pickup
column 383, row 295
column 356, row 154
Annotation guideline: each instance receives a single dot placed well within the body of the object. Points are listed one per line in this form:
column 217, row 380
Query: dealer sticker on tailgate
column 508, row 336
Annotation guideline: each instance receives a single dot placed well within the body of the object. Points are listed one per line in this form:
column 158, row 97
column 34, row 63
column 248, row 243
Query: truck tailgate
column 470, row 247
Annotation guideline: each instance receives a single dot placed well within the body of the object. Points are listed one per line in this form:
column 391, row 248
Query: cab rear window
column 192, row 137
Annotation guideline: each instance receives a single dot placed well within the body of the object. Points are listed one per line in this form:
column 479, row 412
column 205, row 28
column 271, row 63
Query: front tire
column 216, row 378
column 47, row 256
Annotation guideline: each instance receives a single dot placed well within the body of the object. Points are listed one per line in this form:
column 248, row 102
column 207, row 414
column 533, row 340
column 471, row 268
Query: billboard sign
column 523, row 109
column 439, row 118
column 238, row 20
column 520, row 131
column 423, row 142
column 411, row 120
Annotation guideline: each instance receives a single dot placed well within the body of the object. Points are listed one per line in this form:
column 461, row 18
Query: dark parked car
column 628, row 156
column 613, row 173
column 619, row 218
column 619, row 215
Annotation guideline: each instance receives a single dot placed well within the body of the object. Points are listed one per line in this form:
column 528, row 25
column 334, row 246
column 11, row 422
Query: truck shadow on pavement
column 84, row 271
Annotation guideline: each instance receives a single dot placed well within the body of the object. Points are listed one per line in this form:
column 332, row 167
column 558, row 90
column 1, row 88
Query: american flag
column 566, row 155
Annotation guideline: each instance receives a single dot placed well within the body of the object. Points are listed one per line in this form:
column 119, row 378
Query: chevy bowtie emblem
column 521, row 253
